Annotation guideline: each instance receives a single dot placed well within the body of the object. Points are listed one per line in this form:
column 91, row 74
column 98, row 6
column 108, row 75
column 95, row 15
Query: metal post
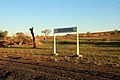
column 54, row 44
column 77, row 42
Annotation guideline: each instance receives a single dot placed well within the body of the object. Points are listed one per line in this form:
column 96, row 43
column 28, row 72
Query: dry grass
column 92, row 53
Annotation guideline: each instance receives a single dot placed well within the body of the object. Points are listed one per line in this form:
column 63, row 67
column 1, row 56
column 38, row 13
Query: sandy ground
column 15, row 67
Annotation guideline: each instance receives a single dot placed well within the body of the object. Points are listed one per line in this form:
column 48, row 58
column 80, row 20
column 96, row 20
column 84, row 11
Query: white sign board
column 65, row 30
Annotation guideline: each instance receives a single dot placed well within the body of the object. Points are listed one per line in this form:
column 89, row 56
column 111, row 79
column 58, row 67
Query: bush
column 3, row 43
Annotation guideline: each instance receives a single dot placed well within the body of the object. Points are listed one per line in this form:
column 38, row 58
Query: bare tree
column 34, row 43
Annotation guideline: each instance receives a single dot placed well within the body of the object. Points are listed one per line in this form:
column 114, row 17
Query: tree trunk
column 34, row 43
column 20, row 43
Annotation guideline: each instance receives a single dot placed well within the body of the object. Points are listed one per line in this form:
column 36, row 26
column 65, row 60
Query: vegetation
column 95, row 50
column 46, row 32
column 21, row 38
column 115, row 31
column 3, row 34
column 101, row 58
column 93, row 53
column 88, row 34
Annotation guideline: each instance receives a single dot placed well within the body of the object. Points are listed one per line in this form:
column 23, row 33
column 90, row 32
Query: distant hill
column 96, row 36
column 111, row 35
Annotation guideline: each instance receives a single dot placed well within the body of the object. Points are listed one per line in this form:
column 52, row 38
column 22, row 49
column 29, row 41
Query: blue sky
column 88, row 15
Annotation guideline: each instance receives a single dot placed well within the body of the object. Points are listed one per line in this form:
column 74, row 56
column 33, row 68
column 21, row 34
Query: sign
column 64, row 30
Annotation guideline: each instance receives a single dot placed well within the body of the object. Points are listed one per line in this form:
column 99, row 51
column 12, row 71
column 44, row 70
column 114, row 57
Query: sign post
column 54, row 44
column 77, row 42
column 65, row 30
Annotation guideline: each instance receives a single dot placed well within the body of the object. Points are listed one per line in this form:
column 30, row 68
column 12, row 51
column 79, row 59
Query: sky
column 87, row 15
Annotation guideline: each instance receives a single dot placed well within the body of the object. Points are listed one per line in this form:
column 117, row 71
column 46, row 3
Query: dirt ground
column 17, row 67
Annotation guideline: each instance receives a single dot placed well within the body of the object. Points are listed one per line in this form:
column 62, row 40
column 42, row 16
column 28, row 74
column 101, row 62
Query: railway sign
column 65, row 30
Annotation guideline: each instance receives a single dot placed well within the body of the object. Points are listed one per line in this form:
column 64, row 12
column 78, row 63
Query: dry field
column 100, row 61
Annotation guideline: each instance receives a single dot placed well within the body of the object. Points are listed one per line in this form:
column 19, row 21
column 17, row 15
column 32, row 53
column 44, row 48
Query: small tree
column 20, row 37
column 88, row 34
column 115, row 31
column 3, row 34
column 46, row 32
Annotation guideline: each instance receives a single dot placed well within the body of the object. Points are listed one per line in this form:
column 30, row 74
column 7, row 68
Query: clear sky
column 88, row 15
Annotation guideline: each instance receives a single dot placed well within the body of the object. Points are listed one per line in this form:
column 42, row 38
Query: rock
column 14, row 56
